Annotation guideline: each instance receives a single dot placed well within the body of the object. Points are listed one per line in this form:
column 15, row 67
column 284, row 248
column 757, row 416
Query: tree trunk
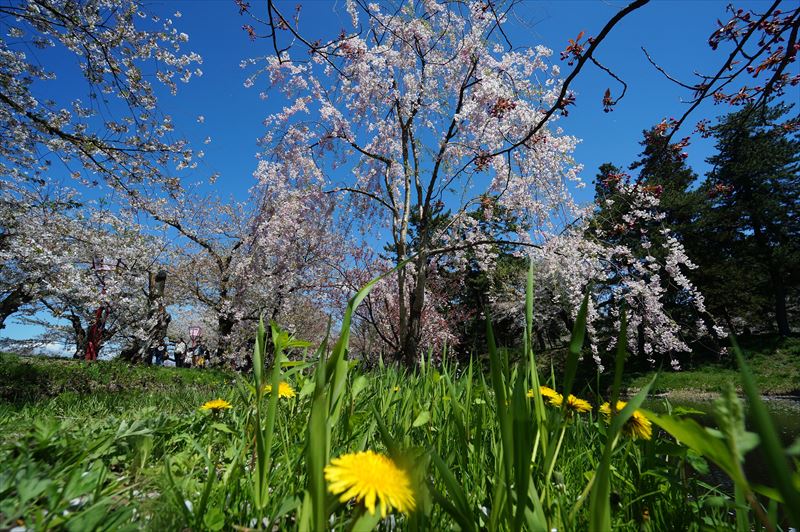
column 567, row 319
column 779, row 296
column 12, row 302
column 540, row 339
column 640, row 342
column 776, row 280
column 410, row 344
column 79, row 336
column 156, row 323
column 225, row 326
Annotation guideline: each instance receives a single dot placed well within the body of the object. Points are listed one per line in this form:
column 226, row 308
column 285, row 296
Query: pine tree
column 750, row 227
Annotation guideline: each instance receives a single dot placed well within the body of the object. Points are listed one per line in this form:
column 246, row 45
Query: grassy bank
column 31, row 380
column 106, row 446
column 774, row 361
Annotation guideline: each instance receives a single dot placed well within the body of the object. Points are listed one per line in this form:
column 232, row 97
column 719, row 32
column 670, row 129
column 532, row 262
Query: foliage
column 749, row 218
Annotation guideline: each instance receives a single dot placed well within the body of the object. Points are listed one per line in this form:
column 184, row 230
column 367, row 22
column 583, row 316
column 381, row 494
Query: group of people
column 184, row 356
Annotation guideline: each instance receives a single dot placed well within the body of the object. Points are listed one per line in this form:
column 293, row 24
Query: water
column 785, row 413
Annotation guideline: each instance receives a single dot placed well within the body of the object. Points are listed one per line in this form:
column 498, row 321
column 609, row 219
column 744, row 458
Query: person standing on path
column 161, row 353
column 180, row 353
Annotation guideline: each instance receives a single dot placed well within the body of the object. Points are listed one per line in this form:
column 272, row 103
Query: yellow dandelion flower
column 396, row 389
column 529, row 395
column 637, row 426
column 548, row 392
column 284, row 390
column 368, row 476
column 574, row 404
column 216, row 405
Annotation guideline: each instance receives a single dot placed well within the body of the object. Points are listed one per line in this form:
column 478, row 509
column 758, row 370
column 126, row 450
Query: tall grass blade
column 506, row 437
column 575, row 346
column 336, row 370
column 777, row 464
column 523, row 447
column 538, row 402
column 317, row 445
column 259, row 349
column 622, row 353
column 459, row 507
column 176, row 492
column 600, row 501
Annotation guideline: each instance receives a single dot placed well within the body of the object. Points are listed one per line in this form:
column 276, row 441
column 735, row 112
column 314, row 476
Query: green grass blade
column 177, row 493
column 336, row 370
column 499, row 387
column 456, row 505
column 600, row 501
column 619, row 359
column 259, row 350
column 693, row 435
column 317, row 445
column 523, row 447
column 529, row 306
column 777, row 465
column 575, row 346
column 386, row 436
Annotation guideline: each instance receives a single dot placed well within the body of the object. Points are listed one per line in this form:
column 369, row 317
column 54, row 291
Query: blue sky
column 674, row 32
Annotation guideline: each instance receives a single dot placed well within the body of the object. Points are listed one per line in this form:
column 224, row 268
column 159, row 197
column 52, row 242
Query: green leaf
column 690, row 433
column 619, row 359
column 600, row 500
column 366, row 521
column 421, row 419
column 687, row 411
column 214, row 519
column 459, row 509
column 222, row 428
column 307, row 389
column 575, row 346
column 503, row 419
column 358, row 386
column 318, row 446
column 336, row 369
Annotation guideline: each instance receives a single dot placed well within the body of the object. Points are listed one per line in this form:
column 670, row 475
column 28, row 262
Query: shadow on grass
column 29, row 380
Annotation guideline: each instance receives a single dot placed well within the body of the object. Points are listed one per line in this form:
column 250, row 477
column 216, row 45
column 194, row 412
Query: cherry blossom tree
column 114, row 130
column 427, row 104
column 378, row 317
column 25, row 239
column 586, row 257
column 50, row 249
column 236, row 262
column 79, row 87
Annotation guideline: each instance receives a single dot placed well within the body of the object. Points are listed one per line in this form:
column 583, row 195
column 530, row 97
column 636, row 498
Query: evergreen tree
column 662, row 168
column 750, row 227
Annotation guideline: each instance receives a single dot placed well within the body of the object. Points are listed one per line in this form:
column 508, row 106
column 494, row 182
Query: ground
column 774, row 361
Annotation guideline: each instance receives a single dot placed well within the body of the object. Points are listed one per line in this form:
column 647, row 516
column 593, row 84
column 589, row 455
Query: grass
column 79, row 460
column 82, row 449
column 105, row 446
column 774, row 361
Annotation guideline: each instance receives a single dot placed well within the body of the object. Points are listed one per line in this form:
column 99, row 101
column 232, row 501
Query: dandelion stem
column 555, row 453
